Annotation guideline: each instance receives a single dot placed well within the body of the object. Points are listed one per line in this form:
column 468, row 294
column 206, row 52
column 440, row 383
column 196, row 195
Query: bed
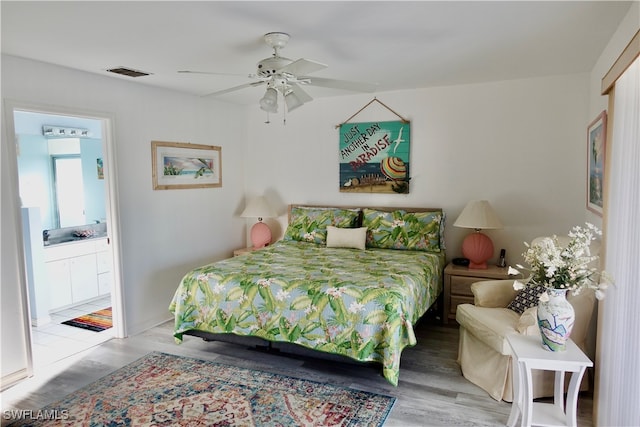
column 346, row 281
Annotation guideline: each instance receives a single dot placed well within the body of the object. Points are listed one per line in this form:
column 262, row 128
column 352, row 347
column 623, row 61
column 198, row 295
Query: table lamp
column 478, row 247
column 258, row 207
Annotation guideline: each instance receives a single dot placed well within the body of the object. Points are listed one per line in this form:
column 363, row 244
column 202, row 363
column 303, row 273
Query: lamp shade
column 479, row 215
column 269, row 101
column 258, row 207
column 478, row 247
column 292, row 101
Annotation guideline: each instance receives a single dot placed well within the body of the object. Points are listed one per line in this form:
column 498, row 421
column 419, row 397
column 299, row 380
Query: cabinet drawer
column 102, row 244
column 461, row 285
column 455, row 300
column 104, row 262
column 104, row 283
column 69, row 250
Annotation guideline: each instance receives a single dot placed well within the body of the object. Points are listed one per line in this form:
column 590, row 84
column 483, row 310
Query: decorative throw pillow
column 310, row 224
column 421, row 231
column 526, row 298
column 346, row 237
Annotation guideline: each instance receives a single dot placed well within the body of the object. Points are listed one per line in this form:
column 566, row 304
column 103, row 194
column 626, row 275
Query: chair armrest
column 493, row 293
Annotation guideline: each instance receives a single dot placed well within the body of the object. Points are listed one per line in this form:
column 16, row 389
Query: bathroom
column 68, row 255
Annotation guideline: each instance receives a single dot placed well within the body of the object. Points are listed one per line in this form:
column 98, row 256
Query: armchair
column 484, row 354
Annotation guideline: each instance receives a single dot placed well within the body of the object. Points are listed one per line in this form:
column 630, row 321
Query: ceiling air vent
column 128, row 72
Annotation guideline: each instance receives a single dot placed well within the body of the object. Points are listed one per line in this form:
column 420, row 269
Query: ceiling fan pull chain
column 284, row 113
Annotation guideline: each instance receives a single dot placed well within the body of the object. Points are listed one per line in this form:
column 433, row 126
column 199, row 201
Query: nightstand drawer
column 455, row 300
column 461, row 285
column 457, row 285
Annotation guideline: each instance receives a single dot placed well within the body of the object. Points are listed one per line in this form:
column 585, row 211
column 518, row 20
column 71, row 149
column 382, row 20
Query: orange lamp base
column 478, row 248
column 260, row 235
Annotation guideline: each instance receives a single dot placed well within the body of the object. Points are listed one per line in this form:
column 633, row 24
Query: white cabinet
column 77, row 271
column 104, row 283
column 84, row 277
column 104, row 262
column 59, row 280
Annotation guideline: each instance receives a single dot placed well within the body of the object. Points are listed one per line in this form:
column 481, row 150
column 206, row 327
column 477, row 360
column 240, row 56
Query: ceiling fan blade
column 232, row 89
column 302, row 66
column 340, row 84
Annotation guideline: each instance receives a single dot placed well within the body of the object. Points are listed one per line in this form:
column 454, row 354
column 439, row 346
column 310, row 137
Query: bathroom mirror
column 63, row 177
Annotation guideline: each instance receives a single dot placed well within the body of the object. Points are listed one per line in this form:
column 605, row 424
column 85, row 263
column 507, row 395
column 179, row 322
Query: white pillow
column 346, row 237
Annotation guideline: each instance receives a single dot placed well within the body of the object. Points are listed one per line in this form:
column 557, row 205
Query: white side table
column 528, row 354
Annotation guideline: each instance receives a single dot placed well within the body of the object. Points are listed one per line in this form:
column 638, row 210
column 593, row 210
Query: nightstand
column 457, row 285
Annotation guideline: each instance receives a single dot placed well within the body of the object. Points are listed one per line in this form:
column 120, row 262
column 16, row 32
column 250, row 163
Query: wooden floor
column 431, row 391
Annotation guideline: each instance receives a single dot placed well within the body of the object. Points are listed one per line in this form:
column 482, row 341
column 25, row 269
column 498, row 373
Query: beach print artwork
column 374, row 157
column 187, row 166
column 184, row 165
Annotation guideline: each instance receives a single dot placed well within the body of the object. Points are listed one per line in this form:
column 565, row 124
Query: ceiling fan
column 283, row 76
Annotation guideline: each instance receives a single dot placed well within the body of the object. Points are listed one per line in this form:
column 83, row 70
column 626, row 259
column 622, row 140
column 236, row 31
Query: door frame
column 112, row 210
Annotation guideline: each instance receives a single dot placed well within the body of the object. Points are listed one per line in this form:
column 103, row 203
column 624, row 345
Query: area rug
column 97, row 321
column 166, row 390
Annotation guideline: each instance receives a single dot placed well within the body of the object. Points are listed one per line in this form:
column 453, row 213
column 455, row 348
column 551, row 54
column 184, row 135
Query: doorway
column 72, row 267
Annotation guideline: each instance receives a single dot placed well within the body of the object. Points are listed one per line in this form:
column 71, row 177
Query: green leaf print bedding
column 356, row 303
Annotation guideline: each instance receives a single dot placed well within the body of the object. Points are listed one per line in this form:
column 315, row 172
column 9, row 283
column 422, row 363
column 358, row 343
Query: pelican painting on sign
column 374, row 157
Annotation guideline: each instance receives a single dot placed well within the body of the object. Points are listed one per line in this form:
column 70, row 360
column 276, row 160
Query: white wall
column 163, row 233
column 519, row 144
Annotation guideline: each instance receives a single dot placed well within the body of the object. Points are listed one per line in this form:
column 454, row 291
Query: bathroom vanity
column 77, row 271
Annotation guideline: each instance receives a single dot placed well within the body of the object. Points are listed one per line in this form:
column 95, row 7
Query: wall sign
column 374, row 157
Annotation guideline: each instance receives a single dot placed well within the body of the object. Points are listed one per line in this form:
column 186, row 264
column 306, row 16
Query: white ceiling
column 396, row 44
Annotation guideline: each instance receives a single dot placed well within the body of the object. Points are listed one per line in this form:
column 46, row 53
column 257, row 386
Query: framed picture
column 100, row 167
column 596, row 147
column 374, row 157
column 178, row 165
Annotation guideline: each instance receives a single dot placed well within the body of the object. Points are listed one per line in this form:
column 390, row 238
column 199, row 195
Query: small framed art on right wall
column 596, row 147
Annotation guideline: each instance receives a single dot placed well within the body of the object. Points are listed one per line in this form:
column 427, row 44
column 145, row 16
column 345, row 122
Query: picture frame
column 181, row 165
column 375, row 157
column 596, row 153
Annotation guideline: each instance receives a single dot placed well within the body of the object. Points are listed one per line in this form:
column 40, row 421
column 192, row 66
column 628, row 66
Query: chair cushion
column 490, row 325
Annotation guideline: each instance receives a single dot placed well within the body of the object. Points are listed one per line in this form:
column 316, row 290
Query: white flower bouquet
column 563, row 267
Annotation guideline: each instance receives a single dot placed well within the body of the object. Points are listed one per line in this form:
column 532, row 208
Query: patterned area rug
column 165, row 390
column 97, row 321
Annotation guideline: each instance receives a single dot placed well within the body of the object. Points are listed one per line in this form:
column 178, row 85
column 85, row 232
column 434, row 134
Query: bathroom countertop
column 72, row 239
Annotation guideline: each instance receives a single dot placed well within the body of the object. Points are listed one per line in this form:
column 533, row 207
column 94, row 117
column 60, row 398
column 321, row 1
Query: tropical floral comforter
column 356, row 303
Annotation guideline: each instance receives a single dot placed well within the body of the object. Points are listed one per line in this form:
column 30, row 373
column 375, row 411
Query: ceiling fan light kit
column 284, row 76
column 269, row 101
